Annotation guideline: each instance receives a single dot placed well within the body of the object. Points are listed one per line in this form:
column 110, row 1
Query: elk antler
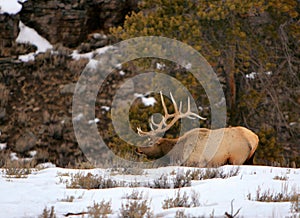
column 163, row 126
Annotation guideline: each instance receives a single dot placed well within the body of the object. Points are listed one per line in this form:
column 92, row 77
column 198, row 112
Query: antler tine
column 164, row 125
column 151, row 126
column 174, row 103
column 163, row 104
column 140, row 131
column 180, row 106
column 190, row 114
column 158, row 125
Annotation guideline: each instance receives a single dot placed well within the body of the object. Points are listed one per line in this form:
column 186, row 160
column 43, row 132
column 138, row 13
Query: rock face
column 36, row 97
column 69, row 22
column 9, row 31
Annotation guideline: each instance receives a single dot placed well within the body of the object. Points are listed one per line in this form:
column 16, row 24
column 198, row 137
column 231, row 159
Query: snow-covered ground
column 27, row 197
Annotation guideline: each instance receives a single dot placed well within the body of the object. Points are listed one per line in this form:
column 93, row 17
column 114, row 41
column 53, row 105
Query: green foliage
column 269, row 151
column 237, row 38
column 213, row 27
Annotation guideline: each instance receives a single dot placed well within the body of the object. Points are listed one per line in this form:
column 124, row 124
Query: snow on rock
column 160, row 66
column 147, row 101
column 11, row 6
column 27, row 57
column 251, row 75
column 106, row 108
column 96, row 120
column 78, row 117
column 32, row 153
column 13, row 156
column 29, row 35
column 2, row 146
column 122, row 73
column 76, row 56
column 92, row 64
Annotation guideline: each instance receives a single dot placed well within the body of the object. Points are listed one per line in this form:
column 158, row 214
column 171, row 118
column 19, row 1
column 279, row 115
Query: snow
column 76, row 56
column 188, row 66
column 96, row 120
column 11, row 6
column 160, row 66
column 27, row 197
column 32, row 153
column 78, row 117
column 147, row 101
column 251, row 75
column 106, row 108
column 13, row 156
column 29, row 35
column 2, row 146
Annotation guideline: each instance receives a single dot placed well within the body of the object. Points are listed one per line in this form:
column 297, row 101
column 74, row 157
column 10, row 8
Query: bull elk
column 236, row 147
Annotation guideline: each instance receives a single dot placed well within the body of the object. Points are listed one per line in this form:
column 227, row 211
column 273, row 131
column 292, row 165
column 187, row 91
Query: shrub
column 182, row 180
column 135, row 207
column 91, row 181
column 162, row 182
column 48, row 213
column 68, row 199
column 135, row 195
column 212, row 173
column 295, row 207
column 280, row 178
column 17, row 169
column 182, row 200
column 101, row 209
column 271, row 196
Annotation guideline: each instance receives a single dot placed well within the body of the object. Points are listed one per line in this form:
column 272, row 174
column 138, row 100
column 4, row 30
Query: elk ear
column 138, row 151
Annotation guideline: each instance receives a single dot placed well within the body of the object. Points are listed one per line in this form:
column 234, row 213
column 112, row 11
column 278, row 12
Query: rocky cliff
column 8, row 33
column 36, row 97
column 66, row 22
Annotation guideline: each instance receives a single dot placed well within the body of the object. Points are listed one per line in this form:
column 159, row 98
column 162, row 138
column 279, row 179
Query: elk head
column 158, row 146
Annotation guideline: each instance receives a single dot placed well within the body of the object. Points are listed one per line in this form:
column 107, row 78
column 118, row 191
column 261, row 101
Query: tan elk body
column 200, row 146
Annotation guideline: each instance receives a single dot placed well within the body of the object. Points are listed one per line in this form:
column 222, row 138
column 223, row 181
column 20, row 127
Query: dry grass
column 48, row 213
column 102, row 209
column 295, row 207
column 135, row 207
column 68, row 199
column 135, row 195
column 283, row 178
column 270, row 196
column 212, row 173
column 90, row 181
column 182, row 200
column 17, row 169
column 174, row 181
column 180, row 180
